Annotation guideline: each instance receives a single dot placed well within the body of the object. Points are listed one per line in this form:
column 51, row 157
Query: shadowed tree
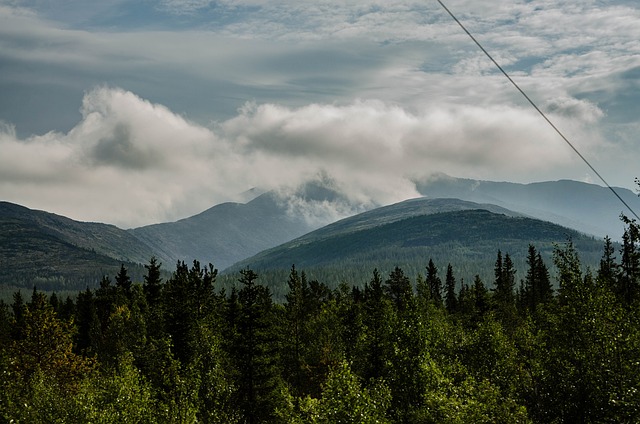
column 451, row 301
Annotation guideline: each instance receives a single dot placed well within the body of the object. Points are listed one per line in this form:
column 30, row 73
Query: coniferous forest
column 559, row 348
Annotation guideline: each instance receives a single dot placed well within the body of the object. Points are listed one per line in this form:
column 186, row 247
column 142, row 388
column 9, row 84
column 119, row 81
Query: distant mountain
column 589, row 208
column 42, row 248
column 225, row 233
column 408, row 233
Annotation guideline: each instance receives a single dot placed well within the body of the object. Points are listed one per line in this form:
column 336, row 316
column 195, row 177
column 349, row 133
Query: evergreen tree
column 607, row 272
column 537, row 287
column 89, row 334
column 18, row 308
column 569, row 272
column 152, row 285
column 451, row 301
column 480, row 296
column 123, row 281
column 373, row 355
column 398, row 289
column 434, row 283
column 296, row 336
column 504, row 283
column 188, row 300
column 628, row 286
column 254, row 353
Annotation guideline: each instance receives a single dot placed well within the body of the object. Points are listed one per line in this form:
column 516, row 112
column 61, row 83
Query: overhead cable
column 539, row 110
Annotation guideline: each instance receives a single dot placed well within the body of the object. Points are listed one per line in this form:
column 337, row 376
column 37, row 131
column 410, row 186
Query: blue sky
column 165, row 108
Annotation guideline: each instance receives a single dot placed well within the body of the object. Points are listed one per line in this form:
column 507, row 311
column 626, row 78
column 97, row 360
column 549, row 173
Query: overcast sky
column 136, row 112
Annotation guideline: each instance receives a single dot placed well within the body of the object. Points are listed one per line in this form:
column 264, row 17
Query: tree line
column 433, row 350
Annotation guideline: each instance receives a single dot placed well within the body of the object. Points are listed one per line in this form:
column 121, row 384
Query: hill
column 225, row 233
column 407, row 234
column 588, row 208
column 55, row 252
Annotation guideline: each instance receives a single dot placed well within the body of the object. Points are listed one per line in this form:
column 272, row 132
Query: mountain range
column 44, row 248
column 409, row 233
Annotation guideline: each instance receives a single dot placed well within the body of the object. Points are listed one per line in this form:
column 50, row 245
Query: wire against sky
column 538, row 109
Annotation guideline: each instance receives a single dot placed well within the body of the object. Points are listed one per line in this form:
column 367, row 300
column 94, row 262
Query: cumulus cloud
column 428, row 100
column 132, row 162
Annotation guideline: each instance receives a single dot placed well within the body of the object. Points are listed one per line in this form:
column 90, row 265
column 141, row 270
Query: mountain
column 465, row 234
column 589, row 208
column 39, row 246
column 42, row 248
column 225, row 233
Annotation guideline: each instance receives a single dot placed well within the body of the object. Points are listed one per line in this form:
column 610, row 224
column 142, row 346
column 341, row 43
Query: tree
column 254, row 352
column 504, row 283
column 451, row 301
column 608, row 270
column 628, row 287
column 123, row 281
column 89, row 334
column 434, row 283
column 46, row 347
column 376, row 341
column 152, row 285
column 296, row 331
column 344, row 400
column 398, row 289
column 537, row 287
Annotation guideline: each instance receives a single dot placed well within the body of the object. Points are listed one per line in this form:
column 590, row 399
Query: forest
column 547, row 349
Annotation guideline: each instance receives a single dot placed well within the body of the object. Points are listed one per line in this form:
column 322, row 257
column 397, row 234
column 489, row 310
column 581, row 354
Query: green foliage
column 345, row 401
column 182, row 352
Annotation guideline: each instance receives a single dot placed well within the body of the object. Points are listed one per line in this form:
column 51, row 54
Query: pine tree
column 89, row 332
column 254, row 352
column 152, row 285
column 434, row 283
column 296, row 331
column 628, row 287
column 537, row 287
column 398, row 289
column 451, row 301
column 504, row 283
column 123, row 281
column 376, row 339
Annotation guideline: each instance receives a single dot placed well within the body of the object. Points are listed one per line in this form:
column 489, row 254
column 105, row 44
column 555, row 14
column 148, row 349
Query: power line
column 538, row 109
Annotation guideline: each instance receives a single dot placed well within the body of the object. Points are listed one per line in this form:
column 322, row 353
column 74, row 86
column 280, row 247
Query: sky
column 146, row 111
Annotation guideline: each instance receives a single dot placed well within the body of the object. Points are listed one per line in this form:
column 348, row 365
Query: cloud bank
column 132, row 162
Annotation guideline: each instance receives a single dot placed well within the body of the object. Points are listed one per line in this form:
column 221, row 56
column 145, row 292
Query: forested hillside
column 225, row 233
column 588, row 208
column 406, row 234
column 57, row 253
column 397, row 350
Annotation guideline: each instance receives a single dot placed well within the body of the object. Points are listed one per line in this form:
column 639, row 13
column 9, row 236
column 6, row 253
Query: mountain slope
column 589, row 208
column 40, row 247
column 407, row 234
column 224, row 233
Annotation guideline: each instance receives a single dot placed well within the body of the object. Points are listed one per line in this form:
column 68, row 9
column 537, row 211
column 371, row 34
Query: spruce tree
column 628, row 287
column 398, row 289
column 434, row 283
column 451, row 301
column 152, row 285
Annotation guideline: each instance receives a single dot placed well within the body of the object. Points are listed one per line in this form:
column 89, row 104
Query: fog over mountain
column 138, row 113
column 589, row 208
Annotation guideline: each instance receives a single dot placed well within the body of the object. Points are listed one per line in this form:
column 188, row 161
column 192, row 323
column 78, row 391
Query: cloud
column 132, row 162
column 372, row 94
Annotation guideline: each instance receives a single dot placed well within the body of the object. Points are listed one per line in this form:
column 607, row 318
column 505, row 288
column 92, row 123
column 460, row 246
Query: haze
column 139, row 112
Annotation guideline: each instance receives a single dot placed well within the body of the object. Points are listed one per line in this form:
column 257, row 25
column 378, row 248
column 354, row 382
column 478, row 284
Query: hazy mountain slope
column 586, row 207
column 41, row 248
column 407, row 234
column 224, row 233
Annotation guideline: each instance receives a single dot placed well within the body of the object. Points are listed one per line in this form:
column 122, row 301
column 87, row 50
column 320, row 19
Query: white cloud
column 131, row 162
column 429, row 100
